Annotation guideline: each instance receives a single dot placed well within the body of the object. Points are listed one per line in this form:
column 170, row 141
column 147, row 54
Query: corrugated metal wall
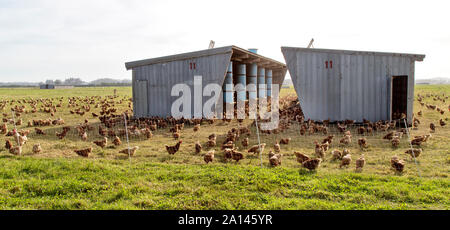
column 161, row 77
column 357, row 86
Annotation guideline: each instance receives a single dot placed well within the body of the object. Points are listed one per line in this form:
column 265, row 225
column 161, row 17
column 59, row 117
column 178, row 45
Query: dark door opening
column 399, row 100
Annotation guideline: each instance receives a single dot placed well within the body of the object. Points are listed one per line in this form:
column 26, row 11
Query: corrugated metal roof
column 416, row 57
column 201, row 53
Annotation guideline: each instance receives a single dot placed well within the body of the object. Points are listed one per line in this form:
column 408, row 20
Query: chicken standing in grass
column 102, row 143
column 130, row 151
column 174, row 149
column 414, row 152
column 362, row 142
column 209, row 157
column 336, row 155
column 301, row 157
column 117, row 141
column 312, row 164
column 16, row 150
column 326, row 146
column 397, row 164
column 228, row 145
column 360, row 163
column 320, row 152
column 346, row 140
column 329, row 139
column 257, row 148
column 346, row 160
column 39, row 131
column 432, row 127
column 277, row 147
column 84, row 136
column 245, row 142
column 37, row 148
column 212, row 137
column 212, row 143
column 275, row 159
column 228, row 154
column 198, row 147
column 22, row 139
column 442, row 123
column 345, row 152
column 4, row 128
column 418, row 140
column 196, row 127
column 237, row 156
column 285, row 141
column 61, row 135
column 84, row 152
column 389, row 136
column 395, row 141
column 8, row 144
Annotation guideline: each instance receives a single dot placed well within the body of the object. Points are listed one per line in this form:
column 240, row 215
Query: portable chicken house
column 152, row 79
column 355, row 85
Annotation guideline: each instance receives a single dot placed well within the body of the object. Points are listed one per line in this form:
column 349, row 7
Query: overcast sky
column 90, row 39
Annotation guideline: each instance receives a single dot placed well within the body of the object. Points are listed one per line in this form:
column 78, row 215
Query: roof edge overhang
column 256, row 58
column 202, row 53
column 416, row 57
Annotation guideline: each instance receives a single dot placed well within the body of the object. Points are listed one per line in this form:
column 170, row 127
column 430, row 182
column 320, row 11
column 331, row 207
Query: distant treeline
column 77, row 86
column 106, row 85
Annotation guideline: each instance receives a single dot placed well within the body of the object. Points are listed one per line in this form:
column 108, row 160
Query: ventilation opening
column 399, row 97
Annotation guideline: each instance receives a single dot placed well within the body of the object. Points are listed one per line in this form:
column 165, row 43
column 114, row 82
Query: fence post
column 126, row 132
column 17, row 131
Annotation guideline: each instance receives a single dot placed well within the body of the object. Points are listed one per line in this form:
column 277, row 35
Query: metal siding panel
column 349, row 101
column 133, row 93
column 380, row 76
column 303, row 76
column 301, row 81
column 342, row 85
column 359, row 89
column 385, row 90
column 337, row 90
column 318, row 108
column 320, row 87
column 371, row 88
column 411, row 79
column 353, row 85
column 307, row 87
column 328, row 92
column 325, row 90
column 366, row 87
column 313, row 79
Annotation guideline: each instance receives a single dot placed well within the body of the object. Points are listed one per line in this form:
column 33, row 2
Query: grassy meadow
column 58, row 178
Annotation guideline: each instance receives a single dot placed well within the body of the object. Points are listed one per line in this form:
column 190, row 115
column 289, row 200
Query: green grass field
column 57, row 178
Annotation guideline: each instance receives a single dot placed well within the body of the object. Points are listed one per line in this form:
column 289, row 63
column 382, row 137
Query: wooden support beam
column 264, row 63
column 242, row 56
column 252, row 60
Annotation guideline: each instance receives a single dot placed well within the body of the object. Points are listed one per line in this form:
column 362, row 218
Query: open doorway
column 399, row 98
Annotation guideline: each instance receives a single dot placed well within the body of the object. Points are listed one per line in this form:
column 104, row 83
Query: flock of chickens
column 290, row 113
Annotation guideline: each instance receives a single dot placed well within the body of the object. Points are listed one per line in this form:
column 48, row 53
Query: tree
column 73, row 81
column 50, row 82
column 58, row 82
